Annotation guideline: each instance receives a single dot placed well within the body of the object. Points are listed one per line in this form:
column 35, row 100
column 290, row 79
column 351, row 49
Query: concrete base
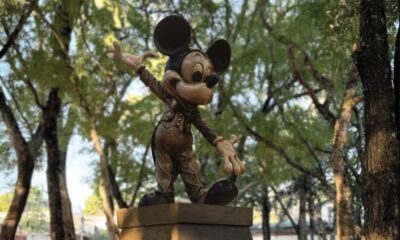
column 182, row 221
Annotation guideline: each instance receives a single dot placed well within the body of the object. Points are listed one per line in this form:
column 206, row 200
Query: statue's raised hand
column 134, row 62
column 232, row 162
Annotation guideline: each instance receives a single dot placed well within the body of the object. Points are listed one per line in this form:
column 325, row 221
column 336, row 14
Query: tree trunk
column 69, row 227
column 140, row 177
column 302, row 225
column 25, row 161
column 396, row 80
column 310, row 203
column 381, row 176
column 320, row 227
column 66, row 132
column 285, row 210
column 115, row 188
column 105, row 188
column 343, row 201
column 266, row 209
column 108, row 208
column 61, row 219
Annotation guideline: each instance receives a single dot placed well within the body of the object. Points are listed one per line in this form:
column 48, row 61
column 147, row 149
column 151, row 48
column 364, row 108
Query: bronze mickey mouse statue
column 187, row 82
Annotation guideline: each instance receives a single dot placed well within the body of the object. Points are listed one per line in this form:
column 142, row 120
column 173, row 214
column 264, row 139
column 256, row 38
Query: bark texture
column 311, row 212
column 61, row 218
column 341, row 176
column 396, row 80
column 266, row 204
column 302, row 185
column 105, row 187
column 381, row 176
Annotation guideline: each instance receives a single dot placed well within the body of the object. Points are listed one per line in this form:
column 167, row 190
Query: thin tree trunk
column 115, row 188
column 141, row 176
column 343, row 200
column 302, row 225
column 108, row 208
column 266, row 209
column 66, row 133
column 311, row 213
column 381, row 178
column 320, row 227
column 285, row 210
column 25, row 161
column 105, row 188
column 112, row 154
column 69, row 227
column 396, row 80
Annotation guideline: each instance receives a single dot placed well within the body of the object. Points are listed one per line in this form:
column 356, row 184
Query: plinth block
column 182, row 221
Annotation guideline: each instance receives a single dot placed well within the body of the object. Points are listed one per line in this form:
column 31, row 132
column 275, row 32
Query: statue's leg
column 190, row 174
column 166, row 173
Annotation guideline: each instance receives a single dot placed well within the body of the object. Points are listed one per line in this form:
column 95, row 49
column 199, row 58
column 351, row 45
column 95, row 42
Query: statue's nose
column 211, row 81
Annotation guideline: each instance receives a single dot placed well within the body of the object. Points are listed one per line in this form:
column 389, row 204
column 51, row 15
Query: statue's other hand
column 132, row 61
column 232, row 162
column 115, row 52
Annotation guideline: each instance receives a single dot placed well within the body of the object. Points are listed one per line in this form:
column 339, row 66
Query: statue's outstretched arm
column 135, row 63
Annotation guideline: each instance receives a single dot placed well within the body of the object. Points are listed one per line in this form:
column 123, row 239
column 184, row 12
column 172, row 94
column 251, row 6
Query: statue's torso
column 173, row 133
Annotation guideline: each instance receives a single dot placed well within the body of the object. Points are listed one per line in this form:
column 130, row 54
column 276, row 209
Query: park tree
column 381, row 163
column 26, row 151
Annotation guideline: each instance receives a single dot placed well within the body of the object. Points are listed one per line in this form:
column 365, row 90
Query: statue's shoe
column 155, row 198
column 221, row 192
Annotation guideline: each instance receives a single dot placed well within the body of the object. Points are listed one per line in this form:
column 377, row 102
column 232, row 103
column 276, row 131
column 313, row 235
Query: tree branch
column 26, row 80
column 13, row 36
column 8, row 117
column 277, row 148
column 17, row 107
column 141, row 175
column 285, row 210
column 323, row 109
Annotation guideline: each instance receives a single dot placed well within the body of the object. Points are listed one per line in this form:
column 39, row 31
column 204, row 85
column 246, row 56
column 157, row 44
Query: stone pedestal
column 183, row 221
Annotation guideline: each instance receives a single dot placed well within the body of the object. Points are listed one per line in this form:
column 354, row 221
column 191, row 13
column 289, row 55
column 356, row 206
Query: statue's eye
column 197, row 73
column 196, row 77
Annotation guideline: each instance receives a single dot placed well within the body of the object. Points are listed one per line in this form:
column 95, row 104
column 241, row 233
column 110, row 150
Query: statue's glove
column 232, row 162
column 132, row 61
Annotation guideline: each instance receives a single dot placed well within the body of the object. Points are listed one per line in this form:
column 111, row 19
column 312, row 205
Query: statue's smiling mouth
column 193, row 93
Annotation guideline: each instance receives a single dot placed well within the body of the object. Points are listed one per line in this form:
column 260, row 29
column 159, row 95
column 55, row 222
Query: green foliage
column 5, row 200
column 93, row 205
column 53, row 74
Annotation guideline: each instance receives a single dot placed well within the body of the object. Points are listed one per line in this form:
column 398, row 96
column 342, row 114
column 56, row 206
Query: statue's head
column 198, row 71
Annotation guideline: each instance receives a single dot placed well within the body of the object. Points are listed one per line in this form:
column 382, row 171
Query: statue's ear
column 172, row 35
column 220, row 55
